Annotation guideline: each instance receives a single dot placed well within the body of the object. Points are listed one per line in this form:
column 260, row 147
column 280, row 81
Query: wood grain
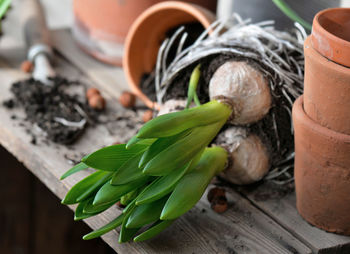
column 196, row 232
column 283, row 210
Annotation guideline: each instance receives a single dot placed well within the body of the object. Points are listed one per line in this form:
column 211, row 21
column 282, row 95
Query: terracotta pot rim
column 319, row 129
column 196, row 11
column 340, row 46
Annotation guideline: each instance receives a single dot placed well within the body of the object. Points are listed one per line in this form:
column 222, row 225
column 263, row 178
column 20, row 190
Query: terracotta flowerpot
column 322, row 173
column 322, row 125
column 100, row 26
column 327, row 70
column 147, row 33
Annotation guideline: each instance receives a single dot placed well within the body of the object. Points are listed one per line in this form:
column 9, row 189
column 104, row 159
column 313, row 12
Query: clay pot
column 322, row 173
column 322, row 125
column 147, row 33
column 100, row 26
column 327, row 83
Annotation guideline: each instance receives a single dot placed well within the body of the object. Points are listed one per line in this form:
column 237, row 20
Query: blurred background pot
column 147, row 33
column 322, row 125
column 100, row 26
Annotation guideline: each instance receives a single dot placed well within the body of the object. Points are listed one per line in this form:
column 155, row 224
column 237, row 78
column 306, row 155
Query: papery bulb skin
column 249, row 158
column 244, row 88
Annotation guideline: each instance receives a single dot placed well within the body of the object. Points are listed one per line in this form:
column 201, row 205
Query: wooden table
column 251, row 225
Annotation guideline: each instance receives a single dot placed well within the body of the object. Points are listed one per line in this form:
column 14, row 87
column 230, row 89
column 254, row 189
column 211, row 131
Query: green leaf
column 109, row 192
column 134, row 140
column 86, row 187
column 156, row 228
column 146, row 213
column 91, row 208
column 193, row 85
column 181, row 152
column 80, row 166
column 106, row 228
column 192, row 186
column 128, row 172
column 159, row 145
column 4, row 6
column 161, row 187
column 130, row 196
column 110, row 158
column 79, row 211
column 94, row 187
column 129, row 207
column 126, row 234
column 176, row 122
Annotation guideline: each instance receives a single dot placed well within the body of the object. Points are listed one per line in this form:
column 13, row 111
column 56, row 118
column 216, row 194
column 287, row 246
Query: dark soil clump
column 46, row 106
column 194, row 30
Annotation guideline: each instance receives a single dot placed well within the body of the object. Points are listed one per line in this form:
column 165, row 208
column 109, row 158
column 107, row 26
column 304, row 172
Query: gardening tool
column 37, row 38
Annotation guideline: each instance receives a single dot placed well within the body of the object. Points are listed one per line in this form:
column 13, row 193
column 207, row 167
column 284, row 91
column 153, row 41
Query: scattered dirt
column 263, row 191
column 44, row 105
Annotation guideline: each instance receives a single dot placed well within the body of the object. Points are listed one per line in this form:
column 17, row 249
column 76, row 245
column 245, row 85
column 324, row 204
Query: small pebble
column 91, row 92
column 27, row 66
column 217, row 198
column 219, row 204
column 147, row 116
column 215, row 192
column 120, row 205
column 97, row 102
column 127, row 99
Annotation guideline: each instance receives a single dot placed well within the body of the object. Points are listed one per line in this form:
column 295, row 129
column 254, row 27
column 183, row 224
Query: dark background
column 32, row 219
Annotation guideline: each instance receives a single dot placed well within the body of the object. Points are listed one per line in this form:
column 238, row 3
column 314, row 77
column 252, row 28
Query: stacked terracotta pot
column 322, row 125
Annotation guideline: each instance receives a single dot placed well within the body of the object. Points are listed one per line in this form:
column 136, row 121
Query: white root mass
column 246, row 88
column 248, row 156
column 276, row 54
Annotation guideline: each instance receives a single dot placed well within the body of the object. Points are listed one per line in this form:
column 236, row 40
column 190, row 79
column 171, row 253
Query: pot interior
column 336, row 22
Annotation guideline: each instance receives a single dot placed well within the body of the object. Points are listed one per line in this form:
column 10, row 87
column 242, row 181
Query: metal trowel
column 37, row 38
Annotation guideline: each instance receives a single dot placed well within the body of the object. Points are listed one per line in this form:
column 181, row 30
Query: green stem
column 193, row 86
column 291, row 13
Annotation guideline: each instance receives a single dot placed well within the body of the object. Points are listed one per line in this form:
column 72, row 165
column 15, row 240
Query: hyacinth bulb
column 244, row 88
column 248, row 156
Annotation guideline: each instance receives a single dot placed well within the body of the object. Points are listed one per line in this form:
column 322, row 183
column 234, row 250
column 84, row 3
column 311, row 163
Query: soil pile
column 61, row 115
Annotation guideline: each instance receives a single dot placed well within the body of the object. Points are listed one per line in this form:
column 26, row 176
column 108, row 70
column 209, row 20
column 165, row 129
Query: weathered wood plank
column 286, row 215
column 282, row 208
column 196, row 232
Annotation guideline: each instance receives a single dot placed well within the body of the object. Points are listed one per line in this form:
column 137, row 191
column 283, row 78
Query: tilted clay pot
column 147, row 33
column 322, row 173
column 100, row 26
column 327, row 70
